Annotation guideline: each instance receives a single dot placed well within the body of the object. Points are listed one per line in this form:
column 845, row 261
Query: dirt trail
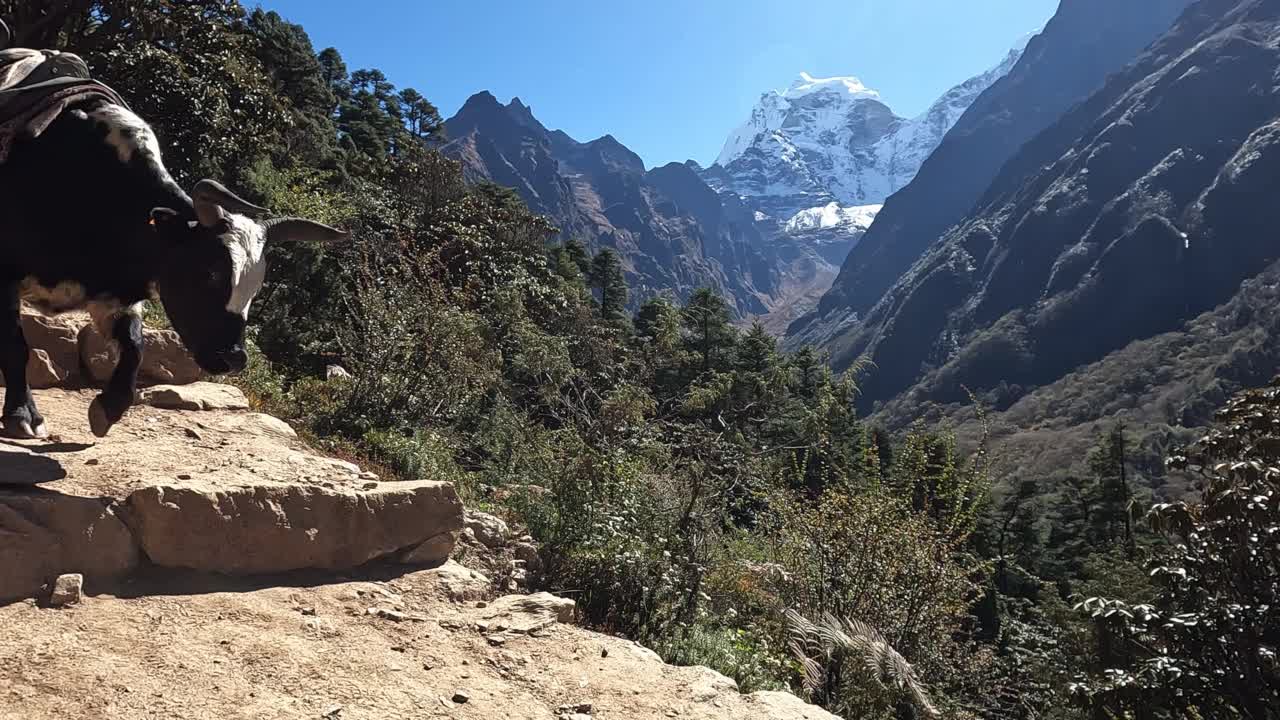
column 314, row 651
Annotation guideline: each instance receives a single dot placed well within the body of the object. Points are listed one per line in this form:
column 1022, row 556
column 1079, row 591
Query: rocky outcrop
column 68, row 350
column 164, row 359
column 213, row 490
column 47, row 534
column 267, row 528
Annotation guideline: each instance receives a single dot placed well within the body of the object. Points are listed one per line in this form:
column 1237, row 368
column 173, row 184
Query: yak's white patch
column 63, row 297
column 129, row 134
column 246, row 243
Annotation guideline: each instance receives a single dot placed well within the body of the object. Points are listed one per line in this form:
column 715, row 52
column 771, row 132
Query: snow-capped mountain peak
column 827, row 140
column 822, row 103
column 807, row 84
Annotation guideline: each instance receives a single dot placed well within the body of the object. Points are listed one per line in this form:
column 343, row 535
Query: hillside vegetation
column 688, row 482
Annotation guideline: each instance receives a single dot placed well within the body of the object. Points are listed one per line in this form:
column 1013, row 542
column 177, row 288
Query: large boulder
column 46, row 534
column 272, row 528
column 164, row 359
column 63, row 346
column 54, row 359
column 488, row 530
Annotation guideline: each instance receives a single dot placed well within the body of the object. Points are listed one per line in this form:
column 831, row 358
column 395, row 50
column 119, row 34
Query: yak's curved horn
column 211, row 198
column 5, row 35
column 289, row 229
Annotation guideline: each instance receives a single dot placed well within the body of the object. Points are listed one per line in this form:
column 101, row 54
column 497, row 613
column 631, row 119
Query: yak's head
column 215, row 265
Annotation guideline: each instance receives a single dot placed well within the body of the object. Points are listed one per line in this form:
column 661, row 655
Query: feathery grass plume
column 836, row 654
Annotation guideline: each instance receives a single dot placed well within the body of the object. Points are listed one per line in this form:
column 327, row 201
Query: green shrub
column 738, row 653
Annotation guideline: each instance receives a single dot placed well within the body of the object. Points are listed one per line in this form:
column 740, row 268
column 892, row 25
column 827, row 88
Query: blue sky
column 668, row 78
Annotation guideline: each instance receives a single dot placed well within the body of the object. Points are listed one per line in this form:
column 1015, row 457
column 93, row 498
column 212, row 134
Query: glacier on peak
column 807, row 84
column 833, row 214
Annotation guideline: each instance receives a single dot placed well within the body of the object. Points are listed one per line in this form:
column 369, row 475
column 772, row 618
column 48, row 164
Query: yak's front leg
column 21, row 419
column 125, row 327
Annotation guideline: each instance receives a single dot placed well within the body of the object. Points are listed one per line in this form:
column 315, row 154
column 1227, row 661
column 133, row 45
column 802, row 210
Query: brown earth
column 312, row 650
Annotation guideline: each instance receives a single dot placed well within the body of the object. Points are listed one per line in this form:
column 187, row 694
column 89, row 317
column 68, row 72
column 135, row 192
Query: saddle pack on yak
column 37, row 85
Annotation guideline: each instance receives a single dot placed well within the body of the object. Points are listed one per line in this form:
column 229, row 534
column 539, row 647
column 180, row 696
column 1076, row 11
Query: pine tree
column 658, row 323
column 1014, row 530
column 420, row 116
column 578, row 253
column 333, row 70
column 1109, row 463
column 708, row 332
column 607, row 277
column 758, row 351
column 807, row 366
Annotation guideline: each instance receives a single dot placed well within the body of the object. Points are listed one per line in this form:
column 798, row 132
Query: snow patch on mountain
column 832, row 215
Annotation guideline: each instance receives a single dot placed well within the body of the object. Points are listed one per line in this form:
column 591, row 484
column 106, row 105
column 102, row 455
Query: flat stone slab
column 275, row 528
column 218, row 490
column 196, row 396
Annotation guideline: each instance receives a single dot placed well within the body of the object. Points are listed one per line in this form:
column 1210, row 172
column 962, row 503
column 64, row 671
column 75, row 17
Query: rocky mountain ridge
column 1135, row 220
column 673, row 233
column 1061, row 66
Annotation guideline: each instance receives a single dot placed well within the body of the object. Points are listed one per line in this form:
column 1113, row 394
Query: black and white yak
column 90, row 218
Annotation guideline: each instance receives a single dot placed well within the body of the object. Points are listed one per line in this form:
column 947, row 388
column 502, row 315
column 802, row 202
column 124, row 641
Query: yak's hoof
column 99, row 423
column 24, row 428
column 24, row 423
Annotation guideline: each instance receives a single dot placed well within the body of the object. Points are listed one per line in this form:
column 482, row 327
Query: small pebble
column 461, row 697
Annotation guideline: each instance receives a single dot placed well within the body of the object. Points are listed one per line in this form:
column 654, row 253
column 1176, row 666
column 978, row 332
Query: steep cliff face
column 1086, row 41
column 674, row 233
column 1134, row 213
